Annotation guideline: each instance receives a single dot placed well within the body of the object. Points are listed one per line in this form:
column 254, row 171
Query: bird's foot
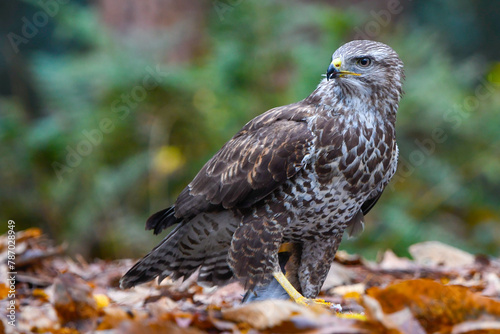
column 321, row 302
column 301, row 300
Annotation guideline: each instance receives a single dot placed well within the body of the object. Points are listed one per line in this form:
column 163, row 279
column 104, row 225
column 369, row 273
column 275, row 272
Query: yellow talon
column 310, row 301
column 356, row 316
column 295, row 295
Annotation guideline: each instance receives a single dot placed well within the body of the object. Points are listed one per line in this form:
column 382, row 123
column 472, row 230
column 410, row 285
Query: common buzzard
column 297, row 175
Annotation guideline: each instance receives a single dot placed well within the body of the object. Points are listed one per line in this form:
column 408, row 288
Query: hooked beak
column 334, row 70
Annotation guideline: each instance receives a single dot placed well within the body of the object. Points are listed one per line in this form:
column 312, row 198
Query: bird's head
column 363, row 67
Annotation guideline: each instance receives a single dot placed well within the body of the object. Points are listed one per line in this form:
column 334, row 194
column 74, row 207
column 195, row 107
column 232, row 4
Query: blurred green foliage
column 108, row 131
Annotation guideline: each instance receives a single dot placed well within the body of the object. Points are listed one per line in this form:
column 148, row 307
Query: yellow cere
column 337, row 63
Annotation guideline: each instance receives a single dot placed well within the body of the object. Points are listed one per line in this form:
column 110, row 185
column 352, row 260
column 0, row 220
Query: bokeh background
column 108, row 108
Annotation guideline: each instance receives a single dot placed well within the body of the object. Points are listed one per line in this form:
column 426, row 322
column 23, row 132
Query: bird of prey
column 298, row 176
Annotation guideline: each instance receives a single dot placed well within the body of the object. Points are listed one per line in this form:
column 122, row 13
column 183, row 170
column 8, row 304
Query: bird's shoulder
column 276, row 117
column 266, row 152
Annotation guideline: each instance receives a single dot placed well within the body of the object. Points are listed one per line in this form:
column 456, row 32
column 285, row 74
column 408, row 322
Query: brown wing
column 265, row 153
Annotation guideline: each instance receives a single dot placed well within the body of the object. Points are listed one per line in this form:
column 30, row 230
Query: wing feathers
column 265, row 153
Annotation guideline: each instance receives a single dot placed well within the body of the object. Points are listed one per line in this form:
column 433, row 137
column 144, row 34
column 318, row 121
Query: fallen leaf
column 4, row 291
column 492, row 285
column 73, row 301
column 21, row 237
column 391, row 261
column 474, row 283
column 37, row 318
column 162, row 306
column 353, row 289
column 405, row 322
column 224, row 295
column 30, row 233
column 402, row 321
column 470, row 327
column 270, row 313
column 434, row 305
column 338, row 275
column 132, row 297
column 40, row 294
column 88, row 299
column 154, row 326
column 35, row 256
column 347, row 259
column 433, row 253
column 114, row 315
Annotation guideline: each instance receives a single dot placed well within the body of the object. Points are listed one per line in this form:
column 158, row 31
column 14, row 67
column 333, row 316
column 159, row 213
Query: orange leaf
column 40, row 294
column 114, row 315
column 4, row 291
column 73, row 299
column 30, row 233
column 434, row 305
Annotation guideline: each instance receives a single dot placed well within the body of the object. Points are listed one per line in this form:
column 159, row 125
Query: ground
column 441, row 290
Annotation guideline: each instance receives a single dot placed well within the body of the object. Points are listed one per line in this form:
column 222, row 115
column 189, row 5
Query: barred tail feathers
column 162, row 220
column 201, row 242
column 153, row 264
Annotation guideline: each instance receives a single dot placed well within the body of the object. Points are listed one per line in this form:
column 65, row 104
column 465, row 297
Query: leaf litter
column 441, row 290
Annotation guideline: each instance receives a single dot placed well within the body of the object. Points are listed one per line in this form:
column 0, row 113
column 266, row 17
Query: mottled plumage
column 301, row 174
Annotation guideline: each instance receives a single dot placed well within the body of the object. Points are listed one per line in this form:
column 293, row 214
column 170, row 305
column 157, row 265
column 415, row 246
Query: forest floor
column 441, row 290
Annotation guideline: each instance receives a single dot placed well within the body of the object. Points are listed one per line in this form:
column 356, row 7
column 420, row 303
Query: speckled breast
column 346, row 169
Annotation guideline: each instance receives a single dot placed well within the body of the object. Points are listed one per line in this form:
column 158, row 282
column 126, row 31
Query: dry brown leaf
column 477, row 327
column 492, row 288
column 162, row 306
column 348, row 259
column 270, row 313
column 40, row 294
column 88, row 299
column 391, row 261
column 353, row 289
column 114, row 315
column 334, row 325
column 432, row 253
column 35, row 256
column 434, row 305
column 73, row 300
column 132, row 297
column 223, row 325
column 37, row 318
column 154, row 326
column 402, row 321
column 224, row 295
column 338, row 275
column 30, row 233
column 4, row 291
column 406, row 322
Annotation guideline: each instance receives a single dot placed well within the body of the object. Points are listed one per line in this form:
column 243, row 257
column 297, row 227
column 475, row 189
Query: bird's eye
column 364, row 62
